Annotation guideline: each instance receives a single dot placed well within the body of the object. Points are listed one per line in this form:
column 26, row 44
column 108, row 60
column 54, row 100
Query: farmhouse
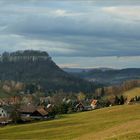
column 79, row 107
column 3, row 113
column 94, row 104
column 49, row 108
column 33, row 112
column 27, row 110
column 39, row 113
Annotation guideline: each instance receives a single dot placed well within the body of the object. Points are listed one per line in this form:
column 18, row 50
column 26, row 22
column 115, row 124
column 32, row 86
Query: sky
column 80, row 33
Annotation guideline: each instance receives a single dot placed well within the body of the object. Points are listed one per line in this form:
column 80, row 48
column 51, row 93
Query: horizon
column 96, row 62
column 78, row 34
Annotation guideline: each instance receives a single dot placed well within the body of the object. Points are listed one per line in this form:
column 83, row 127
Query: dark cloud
column 71, row 28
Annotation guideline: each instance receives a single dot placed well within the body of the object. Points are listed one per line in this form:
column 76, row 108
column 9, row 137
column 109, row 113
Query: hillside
column 114, row 123
column 37, row 67
column 132, row 93
column 105, row 75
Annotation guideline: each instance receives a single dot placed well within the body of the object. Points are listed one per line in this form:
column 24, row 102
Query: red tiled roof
column 42, row 111
column 94, row 102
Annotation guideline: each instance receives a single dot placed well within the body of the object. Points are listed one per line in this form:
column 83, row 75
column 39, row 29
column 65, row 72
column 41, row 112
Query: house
column 27, row 110
column 45, row 99
column 49, row 108
column 3, row 113
column 30, row 111
column 10, row 101
column 79, row 107
column 39, row 113
column 94, row 104
column 87, row 108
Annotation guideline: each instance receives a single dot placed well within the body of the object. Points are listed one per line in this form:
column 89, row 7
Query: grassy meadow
column 113, row 123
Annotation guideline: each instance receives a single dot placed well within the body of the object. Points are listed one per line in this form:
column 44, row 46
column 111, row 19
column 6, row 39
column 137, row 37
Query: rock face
column 37, row 67
column 28, row 55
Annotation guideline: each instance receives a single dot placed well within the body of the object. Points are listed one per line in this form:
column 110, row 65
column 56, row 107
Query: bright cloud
column 129, row 13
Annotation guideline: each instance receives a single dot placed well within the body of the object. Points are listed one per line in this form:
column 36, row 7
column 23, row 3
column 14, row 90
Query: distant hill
column 78, row 70
column 37, row 67
column 105, row 75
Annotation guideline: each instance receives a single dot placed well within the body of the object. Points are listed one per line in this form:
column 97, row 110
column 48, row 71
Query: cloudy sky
column 95, row 33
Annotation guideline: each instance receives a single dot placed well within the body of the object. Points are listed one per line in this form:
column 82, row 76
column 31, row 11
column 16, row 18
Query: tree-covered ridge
column 25, row 55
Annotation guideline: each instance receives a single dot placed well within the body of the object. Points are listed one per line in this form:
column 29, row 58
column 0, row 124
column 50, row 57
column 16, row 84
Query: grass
column 114, row 123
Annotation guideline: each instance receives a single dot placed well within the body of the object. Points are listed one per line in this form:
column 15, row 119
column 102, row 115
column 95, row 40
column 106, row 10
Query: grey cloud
column 88, row 32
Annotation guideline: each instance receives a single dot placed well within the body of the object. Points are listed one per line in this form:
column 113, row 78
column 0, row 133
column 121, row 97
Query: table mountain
column 37, row 67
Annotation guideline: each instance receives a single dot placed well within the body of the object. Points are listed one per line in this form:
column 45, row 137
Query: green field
column 113, row 123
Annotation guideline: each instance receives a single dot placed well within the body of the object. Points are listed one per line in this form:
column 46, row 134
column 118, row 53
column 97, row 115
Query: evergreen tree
column 121, row 100
column 117, row 100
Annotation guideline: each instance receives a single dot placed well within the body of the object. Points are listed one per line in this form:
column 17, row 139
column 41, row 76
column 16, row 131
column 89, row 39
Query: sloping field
column 132, row 93
column 114, row 123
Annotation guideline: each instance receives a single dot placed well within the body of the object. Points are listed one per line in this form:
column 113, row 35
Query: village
column 13, row 108
column 26, row 109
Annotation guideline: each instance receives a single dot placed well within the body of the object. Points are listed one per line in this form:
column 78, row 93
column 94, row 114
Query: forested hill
column 106, row 76
column 37, row 67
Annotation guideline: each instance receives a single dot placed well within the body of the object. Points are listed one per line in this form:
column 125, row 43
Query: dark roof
column 27, row 108
column 79, row 104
